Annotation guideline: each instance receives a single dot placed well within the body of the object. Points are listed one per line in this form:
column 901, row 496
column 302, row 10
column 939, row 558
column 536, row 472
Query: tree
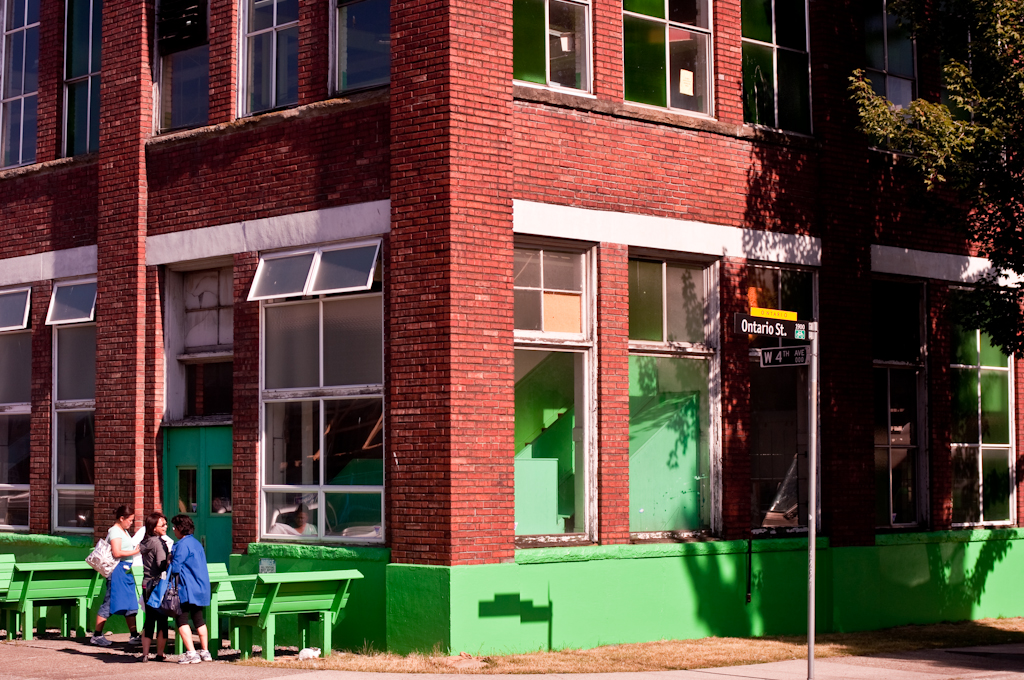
column 974, row 145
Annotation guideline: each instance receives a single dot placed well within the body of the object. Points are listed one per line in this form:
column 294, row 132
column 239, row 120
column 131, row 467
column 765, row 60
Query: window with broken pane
column 666, row 53
column 897, row 315
column 551, row 43
column 981, row 384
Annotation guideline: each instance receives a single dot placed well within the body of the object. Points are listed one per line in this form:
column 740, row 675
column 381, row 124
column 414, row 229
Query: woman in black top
column 156, row 555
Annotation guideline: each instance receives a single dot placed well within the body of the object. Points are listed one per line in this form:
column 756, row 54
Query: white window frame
column 1010, row 448
column 65, row 406
column 709, row 66
column 588, row 69
column 582, row 344
column 53, row 300
column 245, row 35
column 5, row 35
column 775, row 47
column 321, row 395
column 706, row 351
column 91, row 77
column 17, row 409
column 314, row 267
column 28, row 305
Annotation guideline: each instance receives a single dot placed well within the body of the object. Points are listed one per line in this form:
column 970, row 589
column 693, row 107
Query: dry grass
column 678, row 654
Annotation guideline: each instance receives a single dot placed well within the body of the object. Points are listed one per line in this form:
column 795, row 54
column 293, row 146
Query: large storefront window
column 323, row 396
column 669, row 413
column 72, row 308
column 552, row 391
column 981, row 385
column 779, row 406
column 899, row 384
column 15, row 414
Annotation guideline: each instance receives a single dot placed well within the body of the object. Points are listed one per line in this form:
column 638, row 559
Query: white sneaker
column 204, row 655
column 135, row 639
column 190, row 657
column 99, row 641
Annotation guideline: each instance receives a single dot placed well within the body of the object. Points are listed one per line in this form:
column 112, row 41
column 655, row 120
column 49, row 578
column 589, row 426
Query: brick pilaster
column 940, row 473
column 121, row 308
column 154, row 389
column 51, row 84
column 314, row 40
column 451, row 373
column 727, row 70
column 613, row 393
column 40, row 460
column 224, row 67
column 245, row 408
column 607, row 21
column 735, row 405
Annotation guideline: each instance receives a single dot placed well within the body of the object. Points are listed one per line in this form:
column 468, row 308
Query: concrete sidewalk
column 58, row 659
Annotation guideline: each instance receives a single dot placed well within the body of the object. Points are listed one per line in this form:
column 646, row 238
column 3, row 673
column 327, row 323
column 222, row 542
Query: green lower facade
column 580, row 597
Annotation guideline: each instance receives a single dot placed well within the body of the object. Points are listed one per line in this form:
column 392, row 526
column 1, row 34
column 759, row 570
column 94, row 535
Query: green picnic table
column 255, row 601
column 68, row 585
column 220, row 590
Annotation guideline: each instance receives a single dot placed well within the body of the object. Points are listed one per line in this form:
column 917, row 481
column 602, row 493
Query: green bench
column 220, row 589
column 67, row 585
column 255, row 601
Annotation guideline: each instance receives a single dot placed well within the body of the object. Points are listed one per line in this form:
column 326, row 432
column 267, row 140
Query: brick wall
column 40, row 461
column 735, row 492
column 245, row 407
column 940, row 472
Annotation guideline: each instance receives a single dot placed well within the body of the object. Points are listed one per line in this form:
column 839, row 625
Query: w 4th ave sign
column 745, row 324
column 784, row 356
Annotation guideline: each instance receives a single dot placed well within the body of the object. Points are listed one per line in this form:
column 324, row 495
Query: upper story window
column 82, row 40
column 553, row 391
column 271, row 54
column 981, row 387
column 184, row 63
column 15, row 414
column 364, row 44
column 898, row 348
column 19, row 81
column 776, row 71
column 667, row 53
column 551, row 43
column 322, row 394
column 670, row 382
column 890, row 54
column 72, row 312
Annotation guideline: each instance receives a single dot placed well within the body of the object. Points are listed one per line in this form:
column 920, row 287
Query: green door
column 197, row 482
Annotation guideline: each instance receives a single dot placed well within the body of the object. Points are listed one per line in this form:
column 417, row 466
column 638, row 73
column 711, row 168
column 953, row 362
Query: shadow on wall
column 960, row 588
column 510, row 605
column 719, row 585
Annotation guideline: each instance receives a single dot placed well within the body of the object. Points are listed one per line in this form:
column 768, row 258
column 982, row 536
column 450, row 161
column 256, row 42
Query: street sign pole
column 812, row 496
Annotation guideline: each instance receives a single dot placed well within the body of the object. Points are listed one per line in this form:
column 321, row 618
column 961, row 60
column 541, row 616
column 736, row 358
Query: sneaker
column 99, row 641
column 189, row 657
column 204, row 655
column 135, row 639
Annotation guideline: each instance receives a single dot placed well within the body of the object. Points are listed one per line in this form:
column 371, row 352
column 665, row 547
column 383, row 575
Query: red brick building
column 457, row 281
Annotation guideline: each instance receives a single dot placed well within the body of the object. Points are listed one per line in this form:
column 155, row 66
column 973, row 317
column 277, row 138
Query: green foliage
column 975, row 144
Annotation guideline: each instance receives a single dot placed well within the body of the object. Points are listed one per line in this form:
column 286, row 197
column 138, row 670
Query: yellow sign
column 772, row 314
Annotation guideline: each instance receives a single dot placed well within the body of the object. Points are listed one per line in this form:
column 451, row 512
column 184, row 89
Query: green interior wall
column 363, row 625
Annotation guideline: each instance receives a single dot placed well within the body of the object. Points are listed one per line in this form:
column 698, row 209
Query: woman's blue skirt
column 123, row 598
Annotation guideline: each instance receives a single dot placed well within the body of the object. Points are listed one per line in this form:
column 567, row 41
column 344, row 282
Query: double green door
column 197, row 482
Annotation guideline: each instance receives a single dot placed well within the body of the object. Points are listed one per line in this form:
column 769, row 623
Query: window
column 72, row 303
column 981, row 386
column 364, row 44
column 74, row 405
column 323, row 409
column 316, row 272
column 889, row 50
column 776, row 71
column 271, row 54
column 184, row 63
column 779, row 406
column 82, row 42
column 899, row 387
column 551, row 43
column 19, row 81
column 667, row 53
column 15, row 409
column 553, row 359
column 669, row 396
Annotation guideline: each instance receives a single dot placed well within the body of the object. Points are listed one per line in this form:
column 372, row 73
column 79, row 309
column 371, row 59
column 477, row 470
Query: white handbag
column 101, row 559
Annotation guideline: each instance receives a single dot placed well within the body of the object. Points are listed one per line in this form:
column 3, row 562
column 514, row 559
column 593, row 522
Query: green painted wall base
column 555, row 598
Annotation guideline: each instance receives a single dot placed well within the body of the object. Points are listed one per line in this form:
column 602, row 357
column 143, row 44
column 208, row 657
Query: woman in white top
column 121, row 597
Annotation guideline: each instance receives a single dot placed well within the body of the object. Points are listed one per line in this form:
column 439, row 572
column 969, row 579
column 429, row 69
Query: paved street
column 59, row 659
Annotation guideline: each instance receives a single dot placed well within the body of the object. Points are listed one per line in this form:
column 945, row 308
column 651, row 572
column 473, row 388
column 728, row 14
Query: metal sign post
column 812, row 496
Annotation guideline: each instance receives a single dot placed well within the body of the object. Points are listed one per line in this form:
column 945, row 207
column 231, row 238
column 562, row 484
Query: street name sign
column 746, row 324
column 784, row 356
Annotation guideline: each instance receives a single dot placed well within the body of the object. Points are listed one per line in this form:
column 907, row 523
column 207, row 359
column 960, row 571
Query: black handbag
column 171, row 604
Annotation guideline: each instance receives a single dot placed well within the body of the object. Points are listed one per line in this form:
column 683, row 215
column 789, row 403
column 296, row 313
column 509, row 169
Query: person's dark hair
column 302, row 508
column 183, row 523
column 151, row 521
column 123, row 511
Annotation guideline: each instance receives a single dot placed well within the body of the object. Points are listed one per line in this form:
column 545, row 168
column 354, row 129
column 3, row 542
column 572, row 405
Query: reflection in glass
column 73, row 303
column 995, row 484
column 74, row 508
column 282, row 276
column 354, row 442
column 14, row 449
column 15, row 368
column 567, row 44
column 293, row 443
column 292, row 513
column 688, row 59
column 353, row 515
column 187, row 493
column 668, row 444
column 14, row 507
column 220, row 491
column 75, row 447
column 185, row 88
column 364, row 44
column 345, row 269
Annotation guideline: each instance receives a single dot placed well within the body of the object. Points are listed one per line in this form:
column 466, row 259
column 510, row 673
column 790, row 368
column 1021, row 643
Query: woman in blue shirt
column 188, row 561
